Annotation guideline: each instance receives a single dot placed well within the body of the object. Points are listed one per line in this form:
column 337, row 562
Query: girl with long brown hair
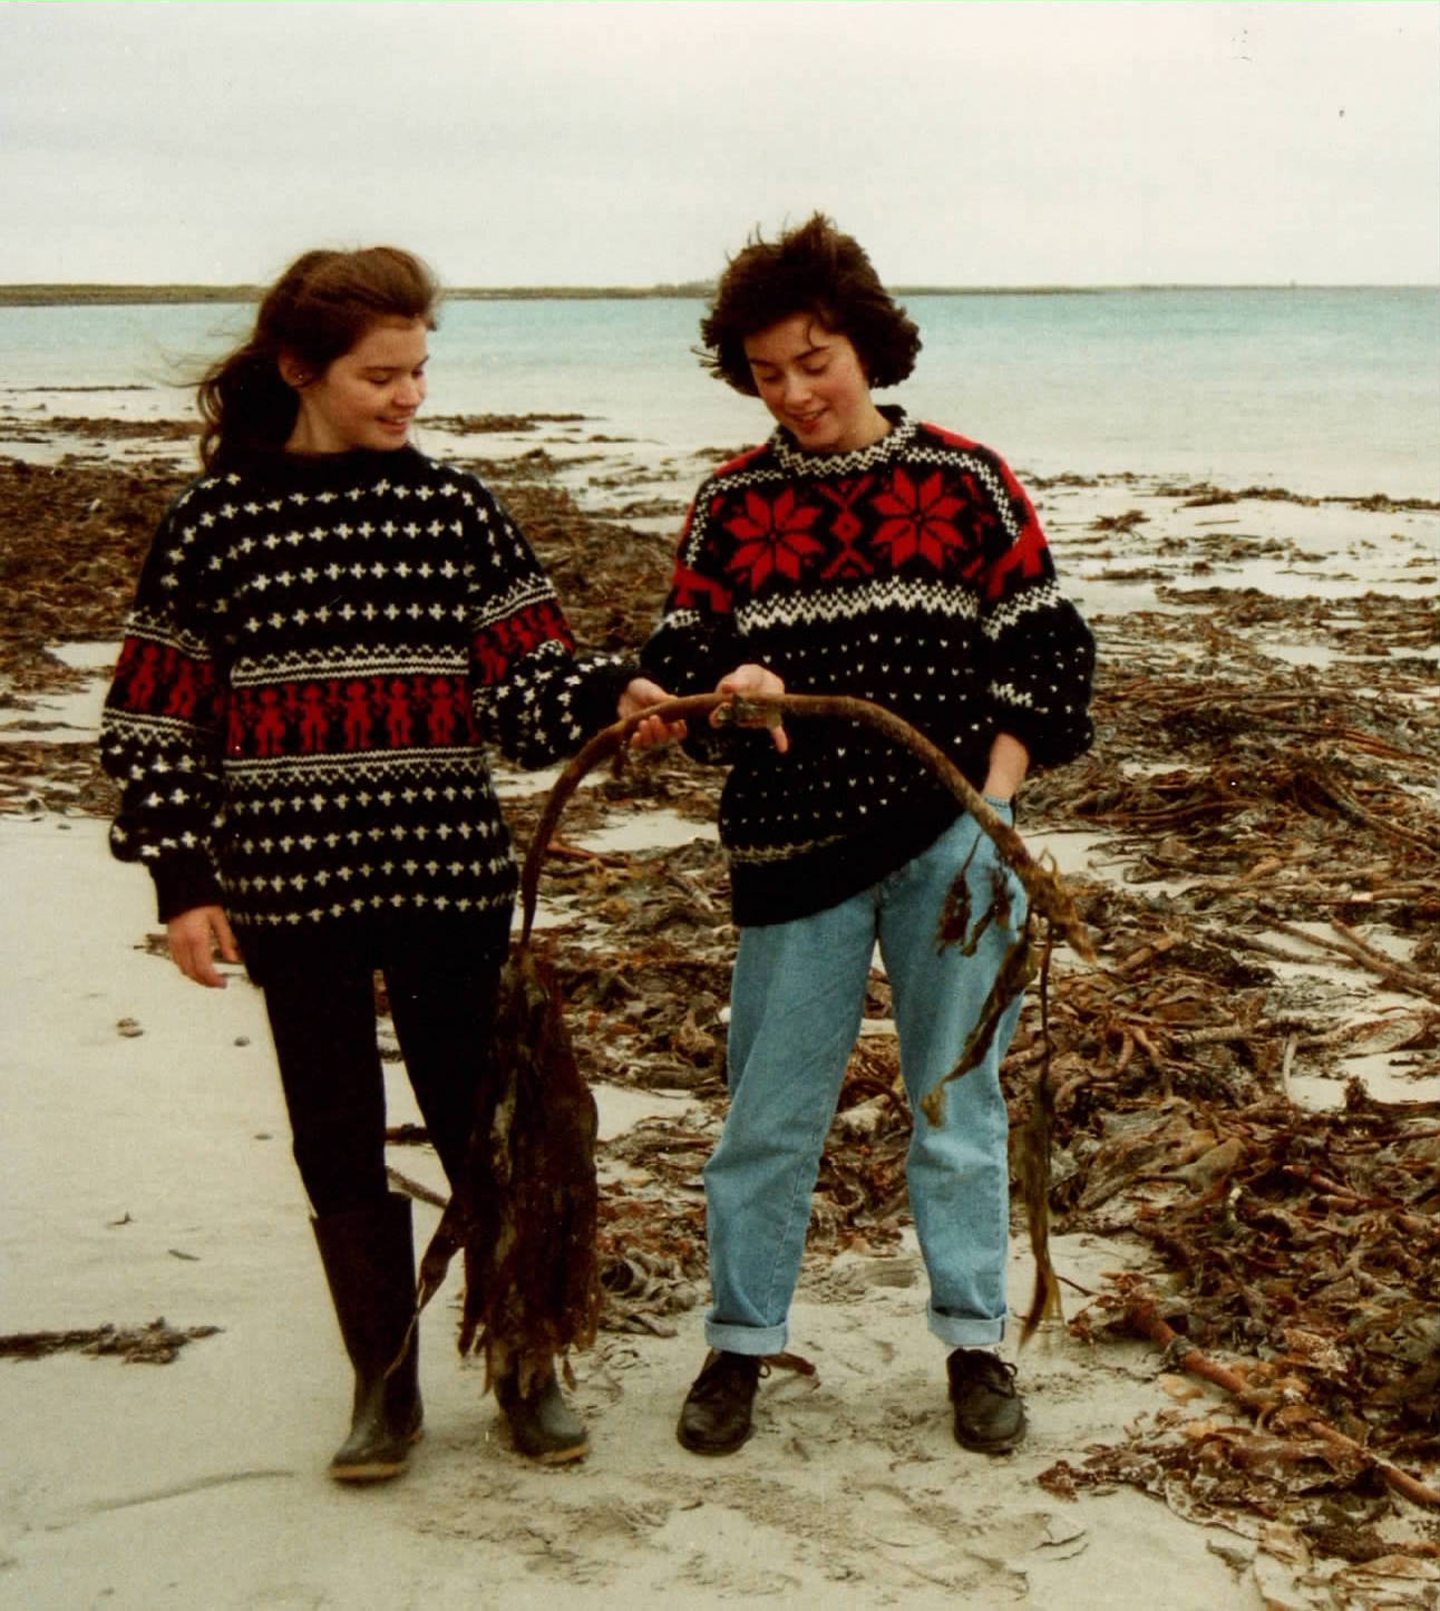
column 328, row 630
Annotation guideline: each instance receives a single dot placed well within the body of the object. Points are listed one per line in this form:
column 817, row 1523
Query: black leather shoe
column 989, row 1414
column 715, row 1418
column 543, row 1427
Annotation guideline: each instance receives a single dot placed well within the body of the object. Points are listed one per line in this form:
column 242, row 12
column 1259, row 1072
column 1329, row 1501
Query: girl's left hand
column 757, row 683
column 653, row 731
column 194, row 938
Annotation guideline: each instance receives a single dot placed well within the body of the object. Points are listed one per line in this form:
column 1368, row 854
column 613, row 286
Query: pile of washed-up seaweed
column 1272, row 837
column 1262, row 878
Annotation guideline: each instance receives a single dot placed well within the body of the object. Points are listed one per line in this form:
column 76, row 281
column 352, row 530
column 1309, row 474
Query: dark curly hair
column 812, row 269
column 318, row 309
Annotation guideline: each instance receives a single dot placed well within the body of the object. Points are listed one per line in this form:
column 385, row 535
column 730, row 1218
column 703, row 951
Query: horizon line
column 40, row 292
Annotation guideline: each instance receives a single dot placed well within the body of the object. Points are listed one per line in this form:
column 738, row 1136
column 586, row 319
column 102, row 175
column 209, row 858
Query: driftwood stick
column 1390, row 970
column 1334, row 795
column 154, row 1344
column 414, row 1189
column 1355, row 740
column 1142, row 1316
column 1146, row 954
column 578, row 853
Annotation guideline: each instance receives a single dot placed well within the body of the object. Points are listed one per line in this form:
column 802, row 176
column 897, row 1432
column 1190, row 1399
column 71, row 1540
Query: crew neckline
column 797, row 461
column 280, row 464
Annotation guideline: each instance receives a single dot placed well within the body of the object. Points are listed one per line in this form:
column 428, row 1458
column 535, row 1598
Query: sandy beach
column 1254, row 845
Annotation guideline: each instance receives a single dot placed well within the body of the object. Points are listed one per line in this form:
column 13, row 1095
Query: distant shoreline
column 98, row 295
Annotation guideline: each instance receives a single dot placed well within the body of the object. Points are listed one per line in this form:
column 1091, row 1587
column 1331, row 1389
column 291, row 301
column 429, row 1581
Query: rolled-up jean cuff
column 752, row 1340
column 964, row 1331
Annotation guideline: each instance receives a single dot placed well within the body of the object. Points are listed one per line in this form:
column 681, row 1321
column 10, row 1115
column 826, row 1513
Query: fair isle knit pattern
column 913, row 573
column 318, row 651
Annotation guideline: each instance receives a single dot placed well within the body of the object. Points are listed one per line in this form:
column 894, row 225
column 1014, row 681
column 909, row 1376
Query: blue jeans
column 797, row 1000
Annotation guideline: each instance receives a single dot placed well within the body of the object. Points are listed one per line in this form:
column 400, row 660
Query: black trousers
column 321, row 1006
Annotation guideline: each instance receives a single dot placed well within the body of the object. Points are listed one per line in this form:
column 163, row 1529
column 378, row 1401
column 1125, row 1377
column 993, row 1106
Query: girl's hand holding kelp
column 752, row 683
column 652, row 731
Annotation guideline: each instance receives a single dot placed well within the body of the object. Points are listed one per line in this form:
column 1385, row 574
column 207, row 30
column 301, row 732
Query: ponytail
column 318, row 309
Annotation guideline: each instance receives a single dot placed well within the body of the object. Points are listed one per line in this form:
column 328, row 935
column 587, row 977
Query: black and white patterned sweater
column 319, row 650
column 913, row 573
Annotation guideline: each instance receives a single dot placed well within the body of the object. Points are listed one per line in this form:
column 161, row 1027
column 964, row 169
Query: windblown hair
column 812, row 269
column 318, row 309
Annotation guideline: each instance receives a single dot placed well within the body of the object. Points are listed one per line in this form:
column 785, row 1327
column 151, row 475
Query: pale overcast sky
column 586, row 142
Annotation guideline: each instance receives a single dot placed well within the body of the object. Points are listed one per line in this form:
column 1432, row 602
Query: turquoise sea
column 1319, row 390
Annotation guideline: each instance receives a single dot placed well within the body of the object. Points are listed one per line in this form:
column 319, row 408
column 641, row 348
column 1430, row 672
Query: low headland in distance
column 60, row 294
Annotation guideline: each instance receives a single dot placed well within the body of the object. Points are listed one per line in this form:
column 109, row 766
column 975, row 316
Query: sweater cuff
column 1050, row 742
column 183, row 882
column 608, row 679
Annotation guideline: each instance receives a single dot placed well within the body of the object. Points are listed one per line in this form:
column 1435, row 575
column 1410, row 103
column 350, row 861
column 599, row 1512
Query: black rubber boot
column 542, row 1425
column 369, row 1259
column 716, row 1415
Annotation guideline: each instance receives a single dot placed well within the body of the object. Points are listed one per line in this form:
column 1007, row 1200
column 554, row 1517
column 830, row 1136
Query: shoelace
column 724, row 1372
column 986, row 1370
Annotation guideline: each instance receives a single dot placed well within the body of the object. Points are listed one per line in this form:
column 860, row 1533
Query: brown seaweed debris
column 524, row 1213
column 1283, row 849
column 72, row 539
column 1298, row 1420
column 1308, row 1245
column 1202, row 1018
column 155, row 1344
column 1268, row 1464
column 1337, row 1221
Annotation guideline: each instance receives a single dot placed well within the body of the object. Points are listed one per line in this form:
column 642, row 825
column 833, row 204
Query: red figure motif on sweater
column 505, row 641
column 774, row 538
column 445, row 711
column 183, row 692
column 490, row 659
column 125, row 665
column 398, row 722
column 314, row 719
column 270, row 724
column 920, row 519
column 358, row 721
column 145, row 682
column 540, row 624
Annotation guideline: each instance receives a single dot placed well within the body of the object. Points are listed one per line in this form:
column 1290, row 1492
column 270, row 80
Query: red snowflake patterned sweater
column 913, row 573
column 318, row 651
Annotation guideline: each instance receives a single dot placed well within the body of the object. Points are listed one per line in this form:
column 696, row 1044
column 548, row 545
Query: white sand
column 149, row 1175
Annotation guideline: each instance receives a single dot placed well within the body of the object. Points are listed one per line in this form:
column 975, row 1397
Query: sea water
column 1322, row 390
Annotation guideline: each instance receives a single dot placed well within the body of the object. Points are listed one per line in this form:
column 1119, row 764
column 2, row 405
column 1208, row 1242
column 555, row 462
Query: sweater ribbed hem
column 771, row 892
